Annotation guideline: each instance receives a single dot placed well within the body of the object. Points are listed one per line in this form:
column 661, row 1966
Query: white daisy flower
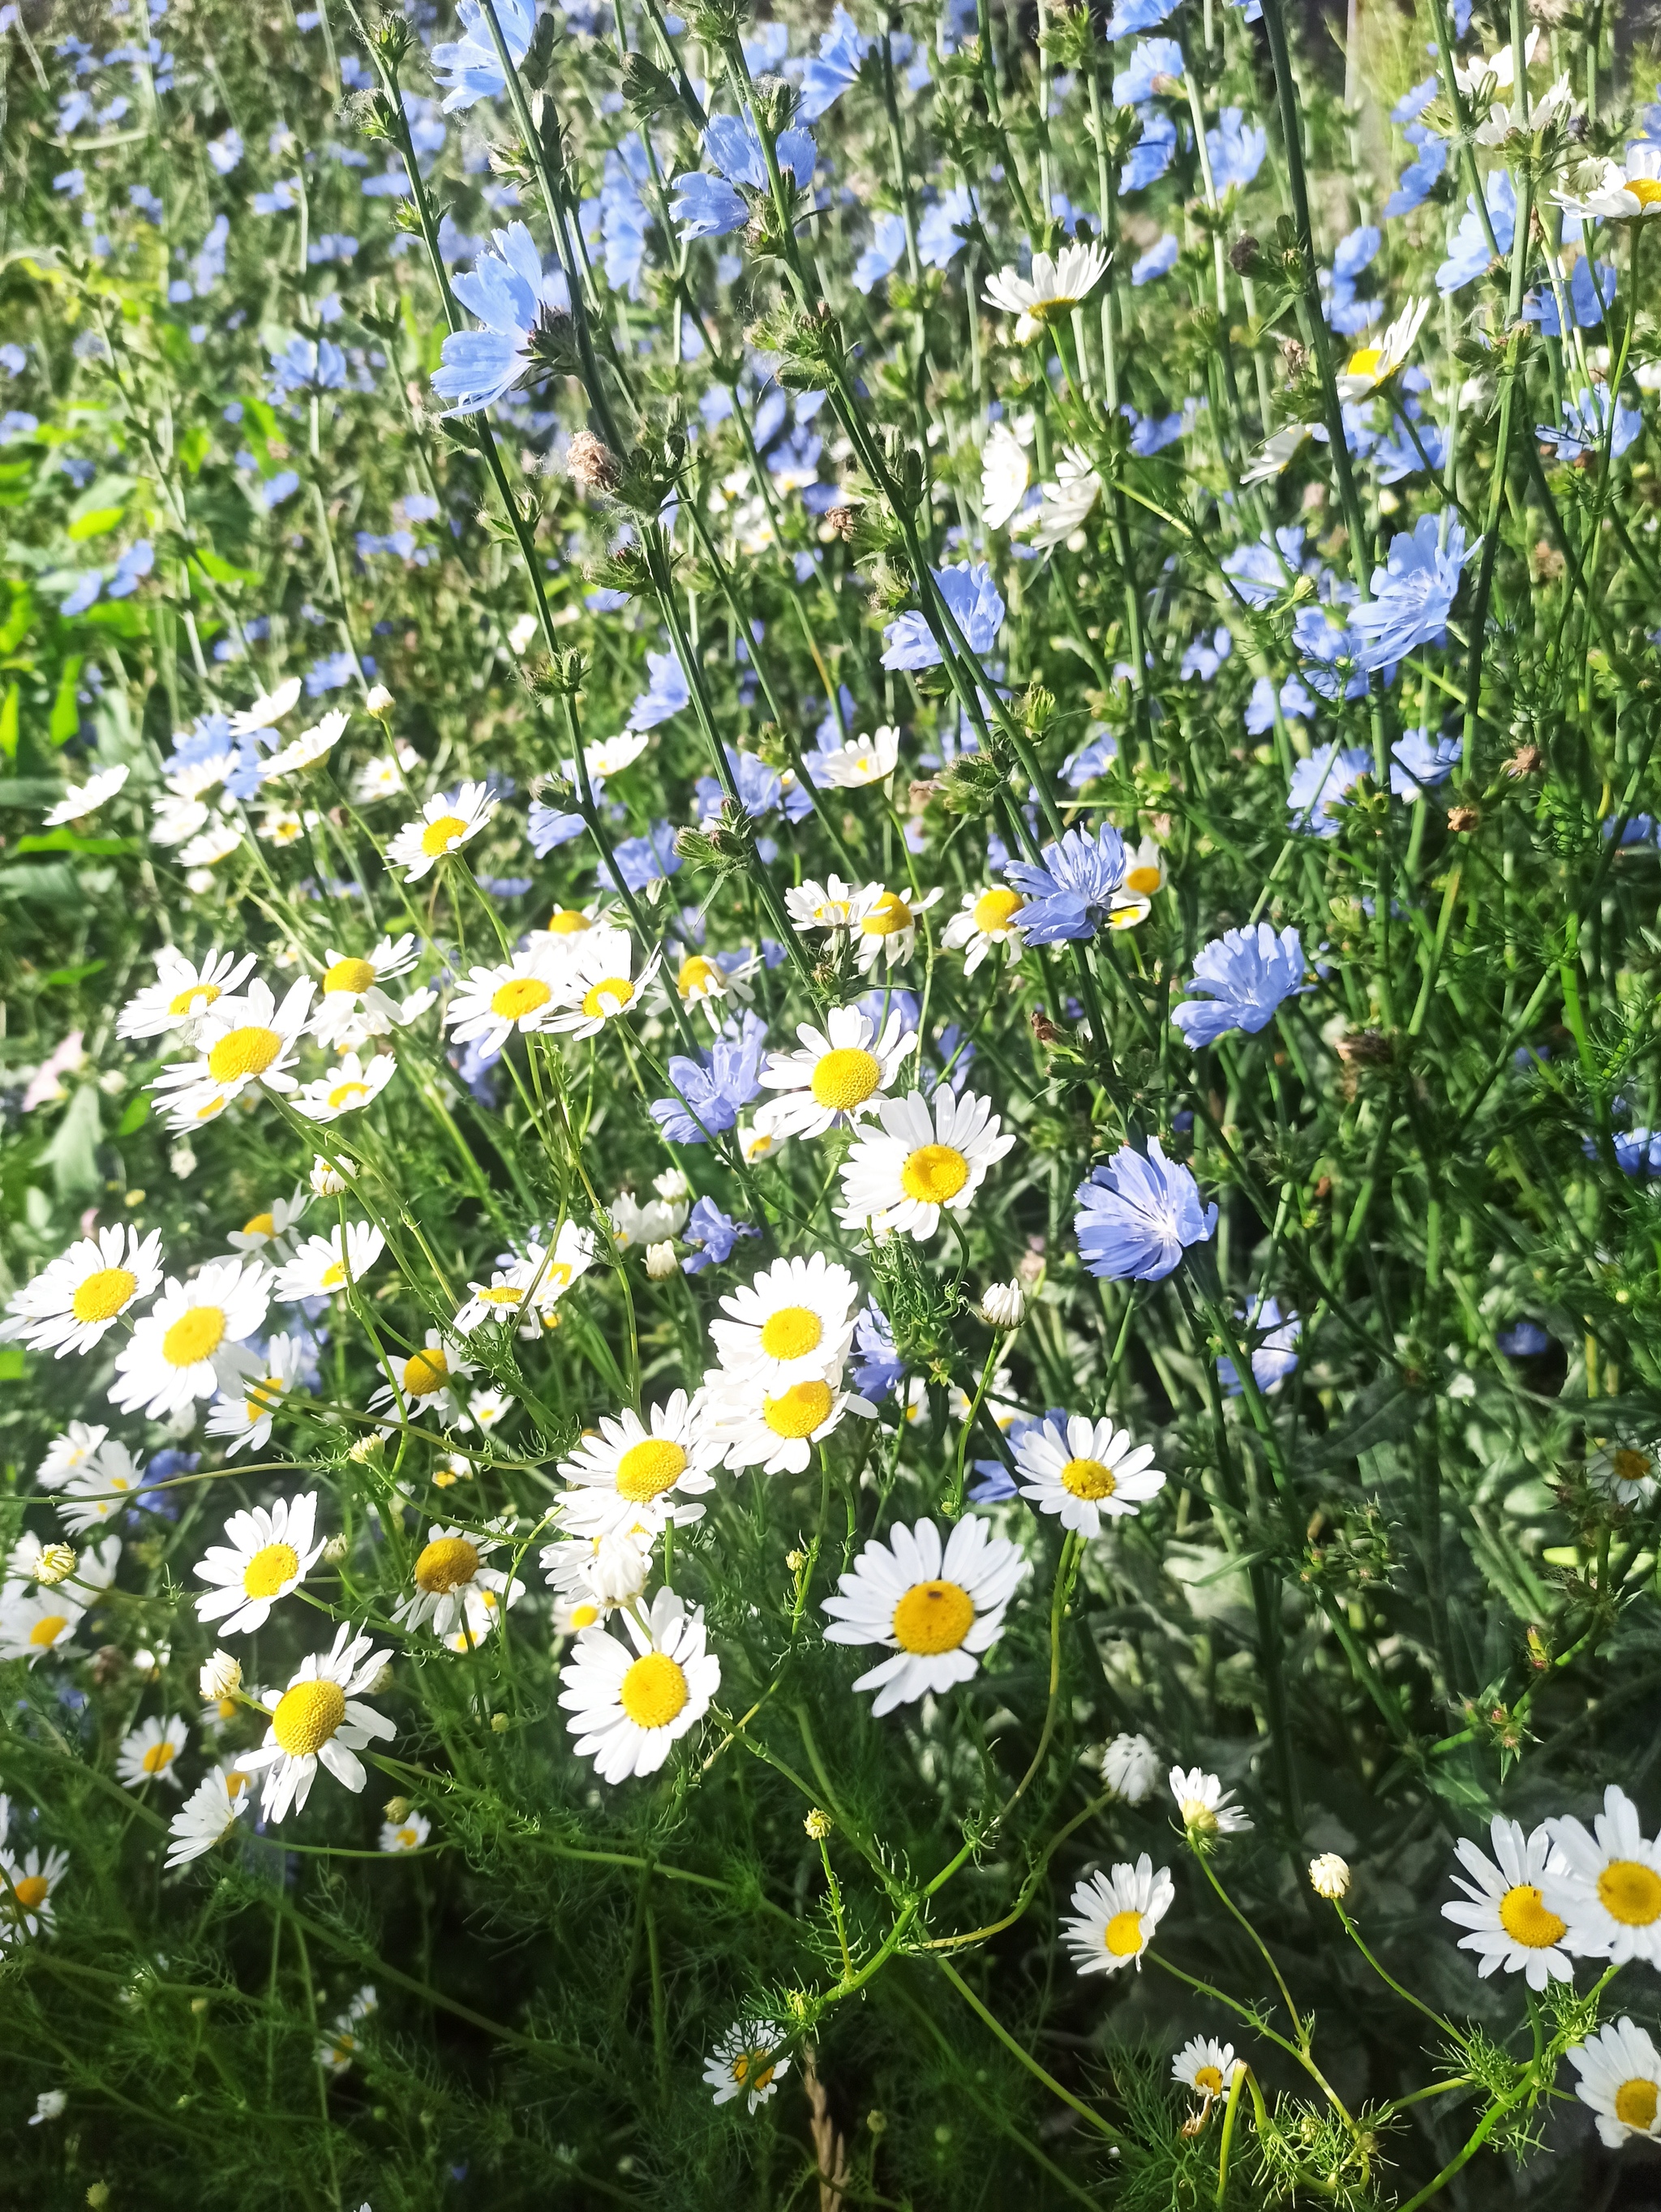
column 1145, row 871
column 1276, row 454
column 609, row 755
column 569, row 921
column 640, row 1473
column 173, row 1352
column 81, row 799
column 1620, row 2071
column 319, row 1718
column 1510, row 1926
column 151, row 1753
column 248, row 1402
column 449, row 1571
column 886, row 927
column 268, row 710
column 486, row 1409
column 863, row 761
column 217, row 843
column 310, row 746
column 1118, row 1914
column 936, row 1610
column 838, row 1075
column 987, row 921
column 385, row 777
column 795, row 1319
column 267, row 1233
column 35, row 1623
column 1615, row 191
column 1610, row 1895
column 324, row 1265
column 270, row 1551
column 831, row 905
column 79, row 1442
column 246, row 1040
column 175, row 819
column 423, row 1383
column 1207, row 1809
column 1130, row 1767
column 591, row 1575
column 747, row 2062
column 1006, row 472
column 1372, row 366
column 928, row 1155
column 1085, row 1471
column 1205, row 2067
column 1056, row 287
column 758, row 1144
column 280, row 825
column 1069, row 502
column 702, row 982
column 78, row 1298
column 336, row 2049
column 445, row 823
column 206, row 1817
column 502, row 1299
column 408, row 1834
column 100, row 1490
column 27, row 1887
column 551, row 1273
column 775, row 1430
column 626, row 1707
column 522, row 993
column 634, row 1224
column 1626, row 1472
column 597, row 985
column 355, row 1004
column 354, row 1084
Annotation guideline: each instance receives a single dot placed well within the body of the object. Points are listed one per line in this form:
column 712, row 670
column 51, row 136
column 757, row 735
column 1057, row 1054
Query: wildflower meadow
column 830, row 1122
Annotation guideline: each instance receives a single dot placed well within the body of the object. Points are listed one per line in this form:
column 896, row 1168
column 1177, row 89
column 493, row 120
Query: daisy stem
column 1254, row 2021
column 953, row 1505
column 1390, row 1982
column 834, row 1894
column 1484, row 2129
column 1236, row 2083
column 1103, row 2127
column 1299, row 2028
column 1066, row 1570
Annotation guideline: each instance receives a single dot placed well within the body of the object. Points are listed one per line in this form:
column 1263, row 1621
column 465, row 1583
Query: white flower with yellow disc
column 449, row 1571
column 324, row 1265
column 241, row 1041
column 27, row 1885
column 1118, row 1914
column 987, row 922
column 78, row 1298
column 266, row 1233
column 100, row 1491
column 35, row 1623
column 175, row 1353
column 309, row 747
column 795, row 1319
column 1615, row 191
column 646, row 1473
column 1372, row 366
column 150, row 1751
column 863, row 761
column 748, row 2062
column 936, row 1610
column 355, row 1004
column 1608, row 1897
column 600, row 983
column 567, row 922
column 887, row 926
column 628, row 1706
column 704, row 981
column 1207, row 1808
column 249, row 1401
column 354, row 1084
column 775, row 1429
column 1086, row 1472
column 408, row 1834
column 1205, row 2067
column 78, row 1443
column 839, row 1073
column 1056, row 285
column 269, row 1552
column 1509, row 1924
column 318, row 1720
column 184, row 990
column 832, row 905
column 1626, row 1472
column 447, row 822
column 206, row 1817
column 522, row 993
column 424, row 1377
column 1620, row 2071
column 928, row 1157
column 591, row 1575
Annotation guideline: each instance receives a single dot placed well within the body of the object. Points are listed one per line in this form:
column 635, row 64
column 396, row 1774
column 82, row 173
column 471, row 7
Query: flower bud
column 1328, row 1876
column 328, row 1179
column 619, row 1568
column 819, row 1825
column 335, row 1550
column 397, row 1810
column 659, row 1261
column 672, row 1185
column 1004, row 1304
column 55, row 1563
column 379, row 700
column 220, row 1677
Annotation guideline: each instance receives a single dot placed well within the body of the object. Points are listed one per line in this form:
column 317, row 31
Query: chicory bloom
column 1265, row 567
column 1079, row 887
column 1469, row 254
column 1587, row 298
column 716, row 1086
column 976, row 607
column 1247, row 972
column 1413, row 594
column 1412, row 186
column 1160, row 260
column 939, row 236
column 1524, row 1339
column 882, row 256
column 307, row 365
column 1153, row 152
column 716, row 1233
column 1586, row 425
column 1319, row 787
column 665, row 695
column 877, row 1368
column 470, row 65
column 1139, row 1214
column 549, row 827
column 1237, row 148
column 1274, row 1353
column 1332, row 654
column 509, row 292
column 829, row 75
column 1156, row 65
column 642, row 860
column 1417, row 762
column 710, row 205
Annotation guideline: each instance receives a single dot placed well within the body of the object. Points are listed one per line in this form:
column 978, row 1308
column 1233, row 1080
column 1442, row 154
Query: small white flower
column 1626, row 1472
column 1608, row 1896
column 268, row 710
column 221, row 1678
column 936, row 1609
column 318, row 1719
column 1006, row 472
column 1130, row 1767
column 354, row 1084
column 838, row 1075
column 1373, row 365
column 1329, row 1877
column 775, row 1430
column 1067, row 502
column 249, row 1398
column 747, row 2062
column 1055, row 287
column 1205, row 2067
column 627, row 1710
column 207, row 1817
column 309, row 747
column 660, row 1262
column 1086, row 1472
column 177, row 1353
column 1620, row 2071
column 423, row 1383
column 269, row 1552
column 863, row 761
column 150, row 1751
column 1118, row 1914
column 641, row 1473
column 324, row 1265
column 450, row 1572
column 48, row 2106
column 241, row 1041
column 81, row 799
column 987, row 921
column 598, row 985
column 447, row 822
column 1207, row 1809
column 523, row 994
column 378, row 700
column 795, row 1319
column 1510, row 1924
column 929, row 1156
column 182, row 993
column 408, row 1834
column 76, row 1300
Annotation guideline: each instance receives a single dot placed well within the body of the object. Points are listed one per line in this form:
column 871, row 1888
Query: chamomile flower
column 1509, row 1925
column 184, row 990
column 480, row 1613
column 1205, row 2067
column 309, row 747
column 408, row 1834
column 1615, row 191
column 355, row 1004
column 206, row 1817
column 78, row 1443
column 747, row 2062
column 449, row 1571
column 838, row 1075
column 1620, row 2071
column 567, row 922
column 795, row 1319
column 863, row 761
column 101, row 1490
column 423, row 1383
column 988, row 921
column 627, row 1705
column 775, row 1429
column 78, row 1298
column 599, row 984
column 1207, row 1809
column 240, row 1041
column 336, row 2049
column 707, row 983
column 324, row 1265
column 318, row 1719
column 1374, row 365
column 27, row 1887
column 83, row 799
column 1118, row 1914
column 151, row 1753
column 269, row 1551
column 929, row 1156
column 832, row 905
column 590, row 1575
column 1130, row 1767
column 1055, row 287
column 886, row 927
column 1086, row 1472
column 646, row 1472
column 35, row 1623
column 248, row 1402
column 268, row 710
column 176, row 1353
column 354, row 1084
column 445, row 823
column 937, row 1610
column 1608, row 1897
column 1626, row 1472
column 522, row 993
column 266, row 1233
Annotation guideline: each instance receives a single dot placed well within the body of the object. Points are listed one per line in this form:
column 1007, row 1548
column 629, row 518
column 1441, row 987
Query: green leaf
column 71, row 1155
column 14, row 628
column 94, row 525
column 65, row 708
column 65, row 840
column 63, row 978
column 221, row 570
column 137, row 1113
column 14, row 1362
column 9, row 709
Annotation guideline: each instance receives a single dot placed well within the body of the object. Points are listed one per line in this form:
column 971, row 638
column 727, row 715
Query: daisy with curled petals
column 248, row 1403
column 838, row 1075
column 266, row 1233
column 590, row 1576
column 796, row 1318
column 747, row 2062
column 101, row 1488
column 1509, row 1925
column 355, row 1004
column 628, row 1705
column 320, row 1719
column 522, row 993
column 151, row 1753
column 309, row 747
column 182, row 993
column 1207, row 1809
column 988, row 921
column 27, row 1885
column 75, row 1301
column 354, row 1084
column 864, row 761
column 242, row 1040
column 423, row 1383
column 1620, row 2071
column 640, row 1473
column 708, row 981
column 176, row 1351
column 79, row 1442
column 324, row 1265
column 206, row 1817
column 1610, row 1894
column 449, row 1571
column 408, row 1834
column 447, row 822
column 1205, row 2067
column 1086, row 1472
column 929, row 1155
column 1050, row 294
column 775, row 1429
column 831, row 905
column 267, row 710
column 887, row 927
column 936, row 1610
column 83, row 799
column 269, row 1551
column 1118, row 1914
column 597, row 985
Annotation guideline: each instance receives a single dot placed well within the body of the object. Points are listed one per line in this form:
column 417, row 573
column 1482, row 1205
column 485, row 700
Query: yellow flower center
column 347, row 1094
column 1526, row 1921
column 523, row 995
column 426, row 1371
column 845, row 1078
column 1366, row 361
column 333, row 1277
column 437, row 837
column 1635, row 2100
column 198, row 996
column 1647, row 191
column 1123, row 1935
column 888, row 917
column 648, row 1469
column 616, row 988
column 196, row 1335
column 566, row 922
column 1210, row 2079
column 353, row 976
column 271, row 1566
column 584, row 1616
column 1144, row 881
column 157, row 1756
column 241, row 1052
column 260, row 1225
column 760, row 2059
column 447, row 1563
column 407, row 1839
column 799, row 1411
column 1089, row 1478
column 32, row 1891
column 1626, row 1466
column 1630, row 1893
column 102, row 1296
column 791, row 1333
column 697, row 974
column 934, row 1173
column 932, row 1617
column 47, row 1630
column 652, row 1691
column 307, row 1715
column 996, row 909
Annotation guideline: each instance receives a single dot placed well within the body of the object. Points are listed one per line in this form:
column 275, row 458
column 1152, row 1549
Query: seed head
column 590, row 462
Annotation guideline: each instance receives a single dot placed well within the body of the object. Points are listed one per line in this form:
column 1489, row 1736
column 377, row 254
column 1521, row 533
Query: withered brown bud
column 1043, row 1029
column 1243, row 254
column 108, row 1663
column 1293, row 357
column 1366, row 1049
column 1463, row 818
column 590, row 462
column 924, row 789
column 842, row 520
column 1527, row 760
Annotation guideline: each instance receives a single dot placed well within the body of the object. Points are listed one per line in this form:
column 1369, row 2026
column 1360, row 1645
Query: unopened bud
column 590, row 462
column 329, row 1177
column 397, row 1810
column 1328, row 1876
column 56, row 1564
column 796, row 1561
column 1004, row 1306
column 1243, row 254
column 659, row 1261
column 379, row 700
column 220, row 1677
column 335, row 1550
column 842, row 520
column 819, row 1825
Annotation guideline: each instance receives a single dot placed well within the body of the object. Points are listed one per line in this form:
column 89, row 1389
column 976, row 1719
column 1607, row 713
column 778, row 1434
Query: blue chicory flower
column 1076, row 889
column 1156, row 66
column 716, row 1233
column 825, row 78
column 877, row 1368
column 508, row 289
column 1588, row 296
column 1139, row 1214
column 1524, row 1339
column 470, row 64
column 1585, row 426
column 976, row 607
column 1412, row 186
column 1153, row 152
column 1274, row 1354
column 1160, row 260
column 642, row 860
column 1247, row 974
column 1236, row 149
column 1319, row 787
column 665, row 695
column 1417, row 763
column 1413, row 593
column 715, row 1087
column 1469, row 254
